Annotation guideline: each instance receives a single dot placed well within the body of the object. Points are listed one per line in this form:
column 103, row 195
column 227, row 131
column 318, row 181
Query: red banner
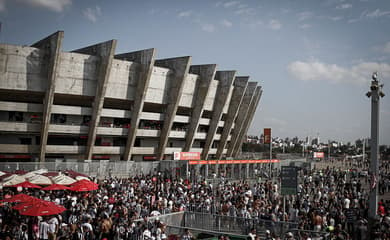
column 267, row 135
column 194, row 162
column 186, row 155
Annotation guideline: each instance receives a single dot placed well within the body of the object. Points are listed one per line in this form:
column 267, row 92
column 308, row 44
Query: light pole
column 375, row 94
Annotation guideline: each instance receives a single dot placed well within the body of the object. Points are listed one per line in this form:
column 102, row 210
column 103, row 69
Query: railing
column 206, row 224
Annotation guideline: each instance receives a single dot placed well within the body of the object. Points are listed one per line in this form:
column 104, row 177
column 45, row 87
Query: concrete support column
column 52, row 45
column 225, row 85
column 206, row 75
column 242, row 112
column 146, row 59
column 248, row 120
column 179, row 67
column 105, row 51
column 240, row 84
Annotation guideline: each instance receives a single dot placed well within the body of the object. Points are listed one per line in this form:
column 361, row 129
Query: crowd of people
column 328, row 201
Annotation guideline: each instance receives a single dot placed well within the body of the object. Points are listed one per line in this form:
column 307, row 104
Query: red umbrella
column 20, row 172
column 56, row 187
column 42, row 208
column 51, row 174
column 18, row 198
column 29, row 203
column 84, row 185
column 26, row 184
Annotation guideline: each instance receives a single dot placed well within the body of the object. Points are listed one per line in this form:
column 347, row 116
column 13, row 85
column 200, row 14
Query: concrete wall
column 22, row 68
column 209, row 102
column 189, row 90
column 122, row 82
column 159, row 84
column 77, row 74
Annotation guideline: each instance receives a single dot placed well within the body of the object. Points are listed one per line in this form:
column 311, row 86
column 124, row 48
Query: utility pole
column 375, row 94
column 364, row 151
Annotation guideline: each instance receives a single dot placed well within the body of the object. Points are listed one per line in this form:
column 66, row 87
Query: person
column 64, row 232
column 268, row 235
column 289, row 236
column 53, row 228
column 106, row 226
column 75, row 233
column 23, row 234
column 87, row 233
column 252, row 234
column 43, row 230
column 187, row 235
column 147, row 234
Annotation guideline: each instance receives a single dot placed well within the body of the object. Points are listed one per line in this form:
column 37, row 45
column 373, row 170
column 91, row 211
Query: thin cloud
column 344, row 6
column 305, row 26
column 245, row 11
column 377, row 13
column 2, row 5
column 386, row 48
column 317, row 71
column 92, row 14
column 184, row 14
column 274, row 24
column 153, row 11
column 207, row 27
column 353, row 20
column 336, row 18
column 226, row 23
column 231, row 4
column 304, row 16
column 53, row 5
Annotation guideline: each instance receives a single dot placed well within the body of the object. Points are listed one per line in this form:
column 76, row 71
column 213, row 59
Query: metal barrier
column 235, row 225
column 219, row 224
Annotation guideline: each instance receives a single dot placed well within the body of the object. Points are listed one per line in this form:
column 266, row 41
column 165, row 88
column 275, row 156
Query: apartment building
column 92, row 103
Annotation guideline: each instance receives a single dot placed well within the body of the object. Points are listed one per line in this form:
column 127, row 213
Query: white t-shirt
column 53, row 224
column 346, row 203
column 43, row 229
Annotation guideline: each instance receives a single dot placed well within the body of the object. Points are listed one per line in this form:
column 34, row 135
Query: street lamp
column 375, row 94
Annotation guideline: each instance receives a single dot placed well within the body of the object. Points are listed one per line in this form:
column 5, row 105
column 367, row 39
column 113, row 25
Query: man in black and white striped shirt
column 43, row 230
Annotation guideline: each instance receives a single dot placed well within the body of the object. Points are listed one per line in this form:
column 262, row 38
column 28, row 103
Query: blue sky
column 314, row 59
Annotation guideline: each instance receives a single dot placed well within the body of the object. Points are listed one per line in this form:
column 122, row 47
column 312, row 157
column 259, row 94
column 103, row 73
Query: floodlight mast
column 375, row 94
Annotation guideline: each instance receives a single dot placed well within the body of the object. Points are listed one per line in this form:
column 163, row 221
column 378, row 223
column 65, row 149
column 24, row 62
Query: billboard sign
column 267, row 135
column 289, row 180
column 186, row 155
column 318, row 155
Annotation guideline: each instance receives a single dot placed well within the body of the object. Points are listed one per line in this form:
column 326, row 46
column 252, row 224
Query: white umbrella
column 78, row 178
column 63, row 180
column 35, row 172
column 28, row 175
column 13, row 179
column 40, row 171
column 40, row 180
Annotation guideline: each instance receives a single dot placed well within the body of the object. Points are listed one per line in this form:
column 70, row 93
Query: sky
column 313, row 58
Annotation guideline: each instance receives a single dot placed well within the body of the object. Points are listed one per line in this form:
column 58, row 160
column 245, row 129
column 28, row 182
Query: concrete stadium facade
column 91, row 103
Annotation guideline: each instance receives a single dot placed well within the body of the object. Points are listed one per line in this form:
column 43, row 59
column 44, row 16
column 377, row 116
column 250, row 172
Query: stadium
column 94, row 104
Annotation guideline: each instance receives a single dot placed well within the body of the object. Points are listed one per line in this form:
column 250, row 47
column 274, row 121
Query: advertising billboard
column 318, row 155
column 186, row 156
column 267, row 135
